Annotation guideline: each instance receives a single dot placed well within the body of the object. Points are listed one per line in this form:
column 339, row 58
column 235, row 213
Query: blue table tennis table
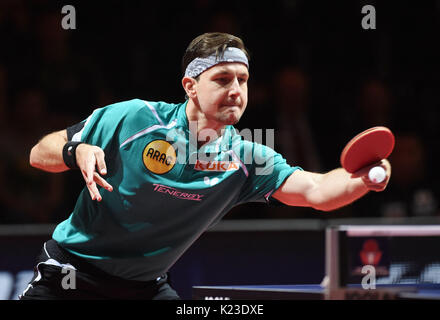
column 316, row 292
column 408, row 254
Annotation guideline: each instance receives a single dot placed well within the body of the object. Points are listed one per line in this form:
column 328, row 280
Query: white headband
column 198, row 65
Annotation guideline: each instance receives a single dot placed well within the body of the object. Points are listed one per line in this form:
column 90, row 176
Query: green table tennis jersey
column 166, row 190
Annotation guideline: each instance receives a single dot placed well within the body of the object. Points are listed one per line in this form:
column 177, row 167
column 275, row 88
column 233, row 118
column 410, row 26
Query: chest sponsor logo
column 177, row 193
column 216, row 166
column 159, row 156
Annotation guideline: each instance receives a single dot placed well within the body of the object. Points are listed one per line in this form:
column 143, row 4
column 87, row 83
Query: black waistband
column 63, row 256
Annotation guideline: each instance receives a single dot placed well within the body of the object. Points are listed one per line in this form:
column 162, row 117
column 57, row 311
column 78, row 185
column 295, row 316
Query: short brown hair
column 209, row 43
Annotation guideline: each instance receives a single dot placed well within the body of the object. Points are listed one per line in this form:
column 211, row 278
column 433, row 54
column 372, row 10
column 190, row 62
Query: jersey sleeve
column 75, row 130
column 266, row 173
column 109, row 126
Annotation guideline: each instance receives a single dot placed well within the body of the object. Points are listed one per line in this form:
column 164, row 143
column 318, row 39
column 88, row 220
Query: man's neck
column 204, row 129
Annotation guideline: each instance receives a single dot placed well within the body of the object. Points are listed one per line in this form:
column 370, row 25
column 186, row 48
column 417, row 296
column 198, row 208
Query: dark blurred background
column 317, row 77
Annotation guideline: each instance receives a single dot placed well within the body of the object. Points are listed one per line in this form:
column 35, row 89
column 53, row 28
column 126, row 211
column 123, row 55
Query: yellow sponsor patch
column 159, row 156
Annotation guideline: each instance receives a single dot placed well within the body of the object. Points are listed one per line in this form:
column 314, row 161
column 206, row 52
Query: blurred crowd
column 317, row 79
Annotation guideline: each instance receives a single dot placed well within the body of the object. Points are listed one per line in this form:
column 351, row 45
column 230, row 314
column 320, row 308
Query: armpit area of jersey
column 272, row 202
column 74, row 129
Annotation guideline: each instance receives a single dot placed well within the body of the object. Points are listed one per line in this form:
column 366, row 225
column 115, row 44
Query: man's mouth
column 231, row 106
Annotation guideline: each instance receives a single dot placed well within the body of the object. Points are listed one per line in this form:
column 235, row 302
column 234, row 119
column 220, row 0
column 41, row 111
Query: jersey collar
column 222, row 143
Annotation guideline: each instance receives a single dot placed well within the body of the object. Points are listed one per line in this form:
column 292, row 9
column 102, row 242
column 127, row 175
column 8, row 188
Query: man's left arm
column 328, row 191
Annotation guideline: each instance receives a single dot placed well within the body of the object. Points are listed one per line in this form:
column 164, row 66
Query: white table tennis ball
column 377, row 174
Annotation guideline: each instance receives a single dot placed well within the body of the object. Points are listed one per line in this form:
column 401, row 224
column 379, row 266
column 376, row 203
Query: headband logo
column 159, row 156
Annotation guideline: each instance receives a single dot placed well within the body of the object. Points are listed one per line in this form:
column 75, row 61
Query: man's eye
column 222, row 80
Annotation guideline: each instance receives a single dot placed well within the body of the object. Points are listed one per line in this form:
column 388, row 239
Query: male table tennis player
column 167, row 181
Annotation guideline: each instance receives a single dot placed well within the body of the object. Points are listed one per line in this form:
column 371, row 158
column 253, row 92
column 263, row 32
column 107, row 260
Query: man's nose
column 235, row 89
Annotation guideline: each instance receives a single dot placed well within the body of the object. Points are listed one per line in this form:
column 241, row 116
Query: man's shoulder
column 127, row 106
column 142, row 110
column 163, row 110
column 121, row 108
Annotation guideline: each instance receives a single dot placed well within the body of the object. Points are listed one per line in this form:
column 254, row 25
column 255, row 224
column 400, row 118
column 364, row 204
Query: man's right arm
column 47, row 155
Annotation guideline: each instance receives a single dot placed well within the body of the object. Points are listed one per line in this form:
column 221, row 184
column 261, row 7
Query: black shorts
column 62, row 275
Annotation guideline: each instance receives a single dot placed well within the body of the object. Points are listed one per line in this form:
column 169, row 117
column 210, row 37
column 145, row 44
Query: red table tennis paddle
column 367, row 148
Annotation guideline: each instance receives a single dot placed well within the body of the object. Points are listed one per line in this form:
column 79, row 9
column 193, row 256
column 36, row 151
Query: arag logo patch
column 159, row 156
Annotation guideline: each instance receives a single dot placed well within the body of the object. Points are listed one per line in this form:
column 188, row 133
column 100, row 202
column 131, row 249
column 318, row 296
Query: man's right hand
column 90, row 160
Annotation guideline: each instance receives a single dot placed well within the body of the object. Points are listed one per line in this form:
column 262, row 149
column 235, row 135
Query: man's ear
column 189, row 85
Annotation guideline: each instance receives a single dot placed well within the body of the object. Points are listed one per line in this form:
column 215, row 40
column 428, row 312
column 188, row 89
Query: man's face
column 222, row 92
